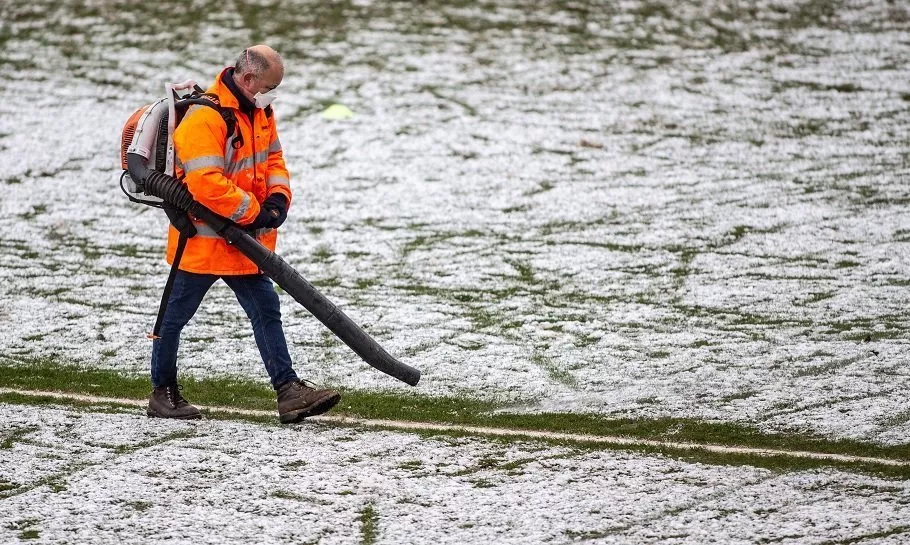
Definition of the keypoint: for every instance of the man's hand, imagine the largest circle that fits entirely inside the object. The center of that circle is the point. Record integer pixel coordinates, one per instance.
(277, 205)
(272, 213)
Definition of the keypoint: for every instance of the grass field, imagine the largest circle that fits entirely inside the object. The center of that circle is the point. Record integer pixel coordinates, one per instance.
(671, 221)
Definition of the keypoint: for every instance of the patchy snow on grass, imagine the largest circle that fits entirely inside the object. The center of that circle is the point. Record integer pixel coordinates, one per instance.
(71, 476)
(639, 210)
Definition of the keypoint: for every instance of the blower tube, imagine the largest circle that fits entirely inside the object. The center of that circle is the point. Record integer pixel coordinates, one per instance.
(175, 193)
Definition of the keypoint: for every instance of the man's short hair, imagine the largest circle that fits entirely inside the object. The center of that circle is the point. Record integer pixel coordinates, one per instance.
(251, 62)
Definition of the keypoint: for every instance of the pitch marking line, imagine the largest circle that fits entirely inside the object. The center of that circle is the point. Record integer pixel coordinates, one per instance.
(499, 432)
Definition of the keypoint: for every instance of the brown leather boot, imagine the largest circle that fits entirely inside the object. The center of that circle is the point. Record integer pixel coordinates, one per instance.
(297, 400)
(166, 402)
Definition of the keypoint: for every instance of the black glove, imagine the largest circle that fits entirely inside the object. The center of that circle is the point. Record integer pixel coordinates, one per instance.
(262, 221)
(277, 204)
(272, 213)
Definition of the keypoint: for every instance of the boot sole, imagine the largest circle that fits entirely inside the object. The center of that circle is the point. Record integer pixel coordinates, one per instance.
(152, 414)
(318, 407)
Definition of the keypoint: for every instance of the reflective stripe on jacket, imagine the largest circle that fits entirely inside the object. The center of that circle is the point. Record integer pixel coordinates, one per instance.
(231, 182)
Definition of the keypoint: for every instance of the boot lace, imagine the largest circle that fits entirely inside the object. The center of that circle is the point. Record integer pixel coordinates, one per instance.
(300, 384)
(174, 397)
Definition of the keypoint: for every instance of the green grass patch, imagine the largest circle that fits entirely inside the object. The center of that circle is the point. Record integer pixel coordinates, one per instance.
(15, 435)
(524, 269)
(846, 264)
(139, 505)
(542, 187)
(322, 253)
(556, 372)
(815, 297)
(285, 495)
(35, 211)
(369, 524)
(896, 530)
(745, 394)
(38, 374)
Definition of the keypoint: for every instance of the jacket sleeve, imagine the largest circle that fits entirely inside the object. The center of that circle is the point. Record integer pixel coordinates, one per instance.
(200, 143)
(278, 178)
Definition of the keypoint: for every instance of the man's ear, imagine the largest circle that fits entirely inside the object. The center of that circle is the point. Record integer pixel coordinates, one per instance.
(248, 81)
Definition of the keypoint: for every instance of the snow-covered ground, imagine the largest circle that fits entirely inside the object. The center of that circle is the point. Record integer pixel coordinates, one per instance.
(640, 209)
(68, 476)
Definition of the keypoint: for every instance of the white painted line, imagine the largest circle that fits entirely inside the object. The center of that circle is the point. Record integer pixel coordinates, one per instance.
(480, 430)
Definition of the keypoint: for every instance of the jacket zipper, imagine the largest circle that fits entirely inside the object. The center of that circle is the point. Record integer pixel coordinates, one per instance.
(253, 140)
(252, 117)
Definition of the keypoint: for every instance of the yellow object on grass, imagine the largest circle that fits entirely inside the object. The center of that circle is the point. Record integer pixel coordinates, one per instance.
(337, 111)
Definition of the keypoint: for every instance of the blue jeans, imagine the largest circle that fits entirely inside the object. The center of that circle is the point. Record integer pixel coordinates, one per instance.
(257, 297)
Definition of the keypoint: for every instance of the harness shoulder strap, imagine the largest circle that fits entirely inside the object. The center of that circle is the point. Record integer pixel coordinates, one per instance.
(169, 286)
(230, 120)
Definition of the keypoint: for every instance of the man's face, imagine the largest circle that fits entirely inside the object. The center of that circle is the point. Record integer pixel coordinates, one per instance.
(263, 83)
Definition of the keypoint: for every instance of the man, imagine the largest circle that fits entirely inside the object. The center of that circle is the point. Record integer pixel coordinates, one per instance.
(241, 176)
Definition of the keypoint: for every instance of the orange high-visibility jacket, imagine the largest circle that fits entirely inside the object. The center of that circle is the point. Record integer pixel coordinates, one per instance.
(230, 182)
